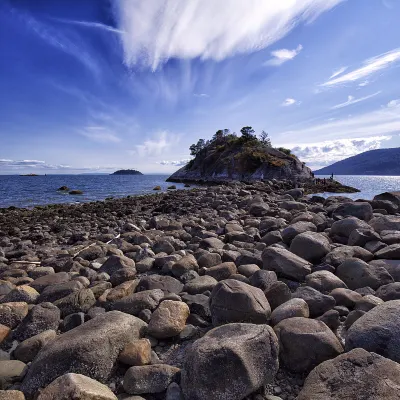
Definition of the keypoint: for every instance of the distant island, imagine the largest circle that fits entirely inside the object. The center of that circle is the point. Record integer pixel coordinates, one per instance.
(29, 175)
(383, 162)
(127, 172)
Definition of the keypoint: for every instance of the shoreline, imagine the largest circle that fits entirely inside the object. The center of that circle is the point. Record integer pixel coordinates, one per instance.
(153, 263)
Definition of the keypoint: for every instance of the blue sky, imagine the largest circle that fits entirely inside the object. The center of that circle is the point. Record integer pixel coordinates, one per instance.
(108, 84)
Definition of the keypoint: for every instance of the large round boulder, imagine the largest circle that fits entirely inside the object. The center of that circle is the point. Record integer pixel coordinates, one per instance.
(235, 301)
(285, 263)
(378, 330)
(230, 362)
(304, 343)
(311, 246)
(357, 374)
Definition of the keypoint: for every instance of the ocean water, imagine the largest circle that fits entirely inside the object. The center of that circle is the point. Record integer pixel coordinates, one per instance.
(29, 191)
(369, 186)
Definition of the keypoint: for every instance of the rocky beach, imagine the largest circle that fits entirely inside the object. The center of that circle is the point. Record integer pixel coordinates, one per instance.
(237, 291)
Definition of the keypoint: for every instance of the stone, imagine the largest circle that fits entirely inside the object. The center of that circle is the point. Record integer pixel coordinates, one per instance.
(360, 237)
(76, 302)
(331, 318)
(340, 254)
(290, 309)
(391, 252)
(318, 303)
(115, 263)
(304, 343)
(235, 301)
(185, 264)
(248, 354)
(136, 302)
(200, 285)
(27, 350)
(285, 263)
(11, 395)
(353, 317)
(90, 349)
(209, 260)
(149, 378)
(277, 294)
(11, 314)
(389, 292)
(48, 280)
(167, 284)
(76, 386)
(4, 332)
(291, 231)
(137, 352)
(385, 223)
(344, 227)
(378, 331)
(11, 371)
(345, 297)
(357, 374)
(222, 271)
(356, 273)
(169, 319)
(58, 291)
(198, 304)
(361, 210)
(248, 269)
(310, 246)
(23, 293)
(263, 279)
(324, 281)
(368, 302)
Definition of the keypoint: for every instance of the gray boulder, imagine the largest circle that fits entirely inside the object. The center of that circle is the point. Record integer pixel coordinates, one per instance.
(291, 231)
(292, 308)
(357, 374)
(378, 331)
(304, 343)
(285, 263)
(385, 223)
(235, 301)
(324, 281)
(230, 362)
(318, 303)
(311, 246)
(361, 210)
(90, 349)
(356, 273)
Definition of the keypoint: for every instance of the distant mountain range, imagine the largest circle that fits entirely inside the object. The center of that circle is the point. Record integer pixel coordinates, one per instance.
(373, 162)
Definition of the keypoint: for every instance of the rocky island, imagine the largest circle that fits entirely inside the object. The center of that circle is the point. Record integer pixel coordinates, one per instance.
(127, 172)
(228, 157)
(236, 291)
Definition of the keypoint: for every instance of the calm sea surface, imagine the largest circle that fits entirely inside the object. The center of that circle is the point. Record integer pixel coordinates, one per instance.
(27, 191)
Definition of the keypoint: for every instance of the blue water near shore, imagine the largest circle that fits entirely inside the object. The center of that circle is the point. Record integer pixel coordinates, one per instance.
(29, 191)
(369, 186)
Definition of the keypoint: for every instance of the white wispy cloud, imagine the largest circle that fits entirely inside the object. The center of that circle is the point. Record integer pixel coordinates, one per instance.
(156, 146)
(179, 163)
(100, 134)
(156, 31)
(90, 24)
(281, 56)
(369, 67)
(320, 154)
(338, 72)
(382, 121)
(352, 100)
(289, 102)
(53, 37)
(201, 95)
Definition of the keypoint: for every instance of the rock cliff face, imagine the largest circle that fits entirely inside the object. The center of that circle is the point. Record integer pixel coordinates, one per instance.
(236, 161)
